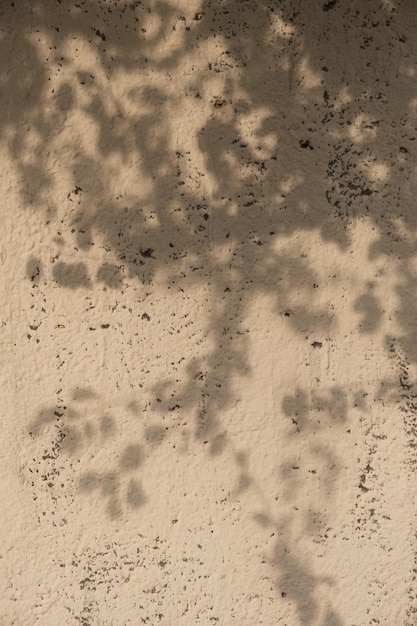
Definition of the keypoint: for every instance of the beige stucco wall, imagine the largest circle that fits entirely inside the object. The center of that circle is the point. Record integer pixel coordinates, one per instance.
(209, 333)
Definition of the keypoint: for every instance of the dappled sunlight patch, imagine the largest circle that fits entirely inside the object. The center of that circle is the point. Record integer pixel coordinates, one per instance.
(221, 256)
(281, 28)
(250, 126)
(290, 183)
(154, 27)
(364, 129)
(412, 106)
(409, 71)
(389, 5)
(377, 172)
(308, 77)
(343, 98)
(407, 235)
(83, 141)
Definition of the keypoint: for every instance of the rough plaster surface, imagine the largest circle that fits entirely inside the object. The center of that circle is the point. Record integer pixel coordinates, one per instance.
(209, 333)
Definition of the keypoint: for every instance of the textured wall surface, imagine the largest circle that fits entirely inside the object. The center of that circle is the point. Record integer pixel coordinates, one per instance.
(208, 313)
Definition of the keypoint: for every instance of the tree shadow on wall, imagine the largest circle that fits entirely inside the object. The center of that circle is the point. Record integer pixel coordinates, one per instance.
(188, 149)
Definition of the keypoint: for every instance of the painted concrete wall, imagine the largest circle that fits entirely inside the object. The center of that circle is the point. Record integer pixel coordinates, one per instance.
(209, 338)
